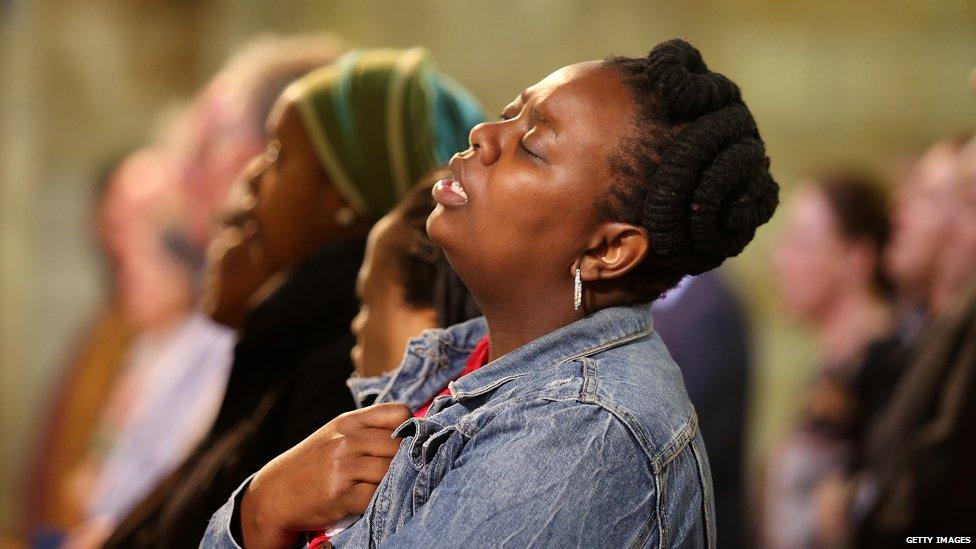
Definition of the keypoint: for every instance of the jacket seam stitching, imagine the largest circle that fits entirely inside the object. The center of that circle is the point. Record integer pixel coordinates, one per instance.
(704, 510)
(680, 441)
(606, 345)
(662, 534)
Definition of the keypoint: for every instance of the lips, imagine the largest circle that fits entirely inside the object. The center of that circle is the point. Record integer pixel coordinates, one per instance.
(449, 193)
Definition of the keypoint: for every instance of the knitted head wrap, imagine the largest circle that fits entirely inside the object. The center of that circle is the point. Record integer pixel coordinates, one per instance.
(380, 119)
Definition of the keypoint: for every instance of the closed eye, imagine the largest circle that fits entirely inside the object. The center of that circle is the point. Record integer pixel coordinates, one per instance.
(504, 118)
(527, 151)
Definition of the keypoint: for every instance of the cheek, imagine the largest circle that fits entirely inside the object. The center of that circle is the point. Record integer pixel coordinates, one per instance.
(968, 235)
(532, 222)
(284, 212)
(363, 350)
(804, 277)
(962, 243)
(375, 340)
(927, 222)
(241, 275)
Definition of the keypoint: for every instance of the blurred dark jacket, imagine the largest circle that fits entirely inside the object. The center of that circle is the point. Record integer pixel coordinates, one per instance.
(704, 327)
(453, 301)
(919, 478)
(288, 379)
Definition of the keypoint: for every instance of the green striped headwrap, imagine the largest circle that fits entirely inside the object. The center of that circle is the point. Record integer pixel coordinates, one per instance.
(380, 119)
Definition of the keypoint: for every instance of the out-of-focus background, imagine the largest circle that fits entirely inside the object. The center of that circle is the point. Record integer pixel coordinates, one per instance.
(830, 82)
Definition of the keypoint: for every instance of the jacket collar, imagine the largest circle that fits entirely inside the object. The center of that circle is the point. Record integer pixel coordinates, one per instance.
(438, 356)
(599, 331)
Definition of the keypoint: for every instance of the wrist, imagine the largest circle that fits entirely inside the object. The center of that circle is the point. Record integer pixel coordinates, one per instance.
(259, 527)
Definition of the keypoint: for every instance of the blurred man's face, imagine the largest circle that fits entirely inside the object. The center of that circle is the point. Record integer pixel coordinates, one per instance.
(957, 262)
(220, 143)
(153, 285)
(920, 223)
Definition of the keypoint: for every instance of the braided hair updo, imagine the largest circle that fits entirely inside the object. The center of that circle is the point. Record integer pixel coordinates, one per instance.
(695, 173)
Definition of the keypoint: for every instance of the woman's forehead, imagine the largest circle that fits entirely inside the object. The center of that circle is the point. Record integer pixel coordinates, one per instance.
(588, 95)
(568, 74)
(284, 106)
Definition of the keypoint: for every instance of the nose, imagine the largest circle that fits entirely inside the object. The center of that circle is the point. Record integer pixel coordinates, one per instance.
(253, 172)
(356, 326)
(485, 142)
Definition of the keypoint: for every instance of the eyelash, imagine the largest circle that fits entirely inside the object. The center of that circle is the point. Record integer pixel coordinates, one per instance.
(522, 146)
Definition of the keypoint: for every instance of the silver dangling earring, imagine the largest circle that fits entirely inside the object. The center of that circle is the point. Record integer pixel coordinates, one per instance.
(345, 217)
(577, 291)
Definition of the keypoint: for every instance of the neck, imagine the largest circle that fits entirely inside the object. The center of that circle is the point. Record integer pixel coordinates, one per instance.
(851, 323)
(514, 323)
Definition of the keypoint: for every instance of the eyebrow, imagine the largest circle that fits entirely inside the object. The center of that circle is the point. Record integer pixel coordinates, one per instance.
(537, 116)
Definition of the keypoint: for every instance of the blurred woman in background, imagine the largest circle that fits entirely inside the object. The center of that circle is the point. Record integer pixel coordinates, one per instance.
(345, 143)
(829, 275)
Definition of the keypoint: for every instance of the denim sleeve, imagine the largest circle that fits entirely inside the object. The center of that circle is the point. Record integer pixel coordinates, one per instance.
(218, 534)
(555, 474)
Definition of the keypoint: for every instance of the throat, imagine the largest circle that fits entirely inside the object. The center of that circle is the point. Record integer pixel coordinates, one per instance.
(508, 332)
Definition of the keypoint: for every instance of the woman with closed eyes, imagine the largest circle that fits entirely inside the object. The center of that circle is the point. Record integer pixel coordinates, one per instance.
(558, 419)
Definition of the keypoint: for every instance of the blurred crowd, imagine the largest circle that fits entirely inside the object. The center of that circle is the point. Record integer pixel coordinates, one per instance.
(244, 293)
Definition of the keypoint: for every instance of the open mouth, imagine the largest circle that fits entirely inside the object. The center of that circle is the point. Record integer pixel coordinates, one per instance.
(449, 193)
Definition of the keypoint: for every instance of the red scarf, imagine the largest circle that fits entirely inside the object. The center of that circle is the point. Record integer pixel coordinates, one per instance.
(477, 359)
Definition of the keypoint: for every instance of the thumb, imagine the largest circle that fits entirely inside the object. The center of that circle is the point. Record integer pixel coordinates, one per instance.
(388, 415)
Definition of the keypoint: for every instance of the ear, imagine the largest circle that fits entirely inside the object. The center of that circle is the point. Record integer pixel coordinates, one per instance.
(615, 250)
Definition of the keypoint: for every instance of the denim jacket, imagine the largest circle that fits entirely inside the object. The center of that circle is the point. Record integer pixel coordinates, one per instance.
(584, 437)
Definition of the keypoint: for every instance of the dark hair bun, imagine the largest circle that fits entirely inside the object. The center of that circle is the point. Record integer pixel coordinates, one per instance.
(683, 83)
(712, 188)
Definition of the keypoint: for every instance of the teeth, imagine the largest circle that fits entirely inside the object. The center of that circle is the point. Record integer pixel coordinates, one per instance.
(456, 187)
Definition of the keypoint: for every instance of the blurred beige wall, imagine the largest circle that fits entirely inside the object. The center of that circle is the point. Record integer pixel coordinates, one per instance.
(829, 81)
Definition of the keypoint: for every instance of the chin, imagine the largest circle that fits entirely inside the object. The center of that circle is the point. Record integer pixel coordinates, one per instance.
(356, 357)
(440, 228)
(218, 312)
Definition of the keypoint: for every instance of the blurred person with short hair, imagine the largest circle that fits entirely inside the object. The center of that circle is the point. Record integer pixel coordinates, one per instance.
(399, 284)
(957, 261)
(919, 223)
(918, 474)
(153, 286)
(163, 401)
(829, 274)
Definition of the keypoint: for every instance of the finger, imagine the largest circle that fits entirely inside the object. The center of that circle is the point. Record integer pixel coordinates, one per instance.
(388, 415)
(356, 499)
(374, 441)
(367, 469)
